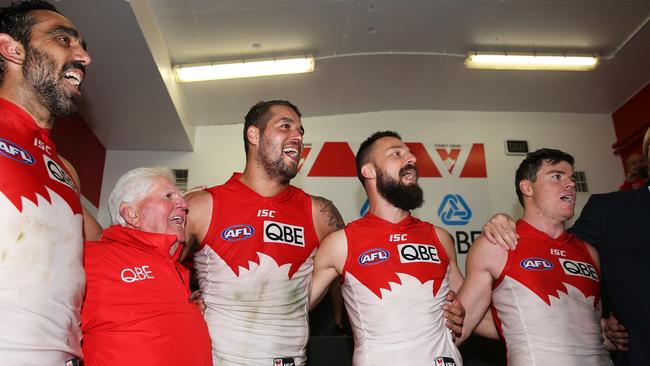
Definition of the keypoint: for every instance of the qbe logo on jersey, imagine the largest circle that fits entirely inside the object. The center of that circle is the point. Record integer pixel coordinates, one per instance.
(580, 269)
(57, 173)
(412, 253)
(444, 361)
(277, 232)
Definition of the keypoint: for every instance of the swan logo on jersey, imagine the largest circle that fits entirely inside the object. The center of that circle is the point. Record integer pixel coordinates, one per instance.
(58, 174)
(412, 253)
(373, 256)
(444, 361)
(237, 232)
(581, 269)
(536, 264)
(14, 152)
(277, 232)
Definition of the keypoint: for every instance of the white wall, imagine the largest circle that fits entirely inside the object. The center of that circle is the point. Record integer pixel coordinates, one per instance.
(219, 149)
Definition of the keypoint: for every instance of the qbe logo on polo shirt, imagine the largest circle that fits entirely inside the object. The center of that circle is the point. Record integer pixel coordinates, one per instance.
(411, 253)
(277, 232)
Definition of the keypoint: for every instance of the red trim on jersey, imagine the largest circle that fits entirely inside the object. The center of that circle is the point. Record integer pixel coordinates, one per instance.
(291, 205)
(372, 232)
(537, 245)
(24, 179)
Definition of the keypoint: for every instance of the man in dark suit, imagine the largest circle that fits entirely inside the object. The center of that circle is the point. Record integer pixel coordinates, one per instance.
(617, 224)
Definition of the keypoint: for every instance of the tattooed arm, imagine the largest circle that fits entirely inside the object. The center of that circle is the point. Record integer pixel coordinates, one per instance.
(332, 251)
(327, 218)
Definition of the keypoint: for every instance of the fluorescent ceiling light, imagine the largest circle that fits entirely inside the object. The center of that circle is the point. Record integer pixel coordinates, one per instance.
(244, 68)
(521, 61)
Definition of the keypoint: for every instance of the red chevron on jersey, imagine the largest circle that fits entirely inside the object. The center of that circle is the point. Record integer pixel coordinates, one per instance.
(546, 302)
(395, 280)
(30, 163)
(545, 265)
(245, 224)
(378, 251)
(41, 246)
(254, 269)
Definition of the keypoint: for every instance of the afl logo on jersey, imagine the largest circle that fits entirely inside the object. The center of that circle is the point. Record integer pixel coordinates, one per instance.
(536, 264)
(373, 256)
(14, 152)
(237, 232)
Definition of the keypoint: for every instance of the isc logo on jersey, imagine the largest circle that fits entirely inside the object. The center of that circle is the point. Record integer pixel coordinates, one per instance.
(277, 232)
(237, 232)
(373, 256)
(580, 269)
(536, 264)
(444, 361)
(14, 152)
(412, 253)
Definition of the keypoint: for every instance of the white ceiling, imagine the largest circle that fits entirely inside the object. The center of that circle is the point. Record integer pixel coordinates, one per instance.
(132, 103)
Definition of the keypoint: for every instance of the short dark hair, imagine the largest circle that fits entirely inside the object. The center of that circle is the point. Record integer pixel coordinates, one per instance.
(16, 21)
(533, 162)
(363, 154)
(260, 114)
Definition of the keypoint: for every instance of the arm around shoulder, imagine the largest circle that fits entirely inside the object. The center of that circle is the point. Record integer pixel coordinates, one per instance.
(328, 264)
(455, 276)
(91, 229)
(199, 215)
(484, 264)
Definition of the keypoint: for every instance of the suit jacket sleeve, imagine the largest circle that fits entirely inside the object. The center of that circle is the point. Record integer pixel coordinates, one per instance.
(590, 226)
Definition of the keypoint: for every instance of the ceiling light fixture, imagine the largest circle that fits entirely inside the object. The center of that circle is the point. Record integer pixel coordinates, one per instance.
(244, 68)
(530, 61)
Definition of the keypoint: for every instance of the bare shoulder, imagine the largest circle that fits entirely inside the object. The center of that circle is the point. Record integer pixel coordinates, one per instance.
(482, 246)
(199, 213)
(336, 238)
(199, 199)
(485, 255)
(333, 250)
(326, 216)
(446, 241)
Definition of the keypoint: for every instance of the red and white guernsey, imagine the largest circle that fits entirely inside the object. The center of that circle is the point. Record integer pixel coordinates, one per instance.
(254, 268)
(546, 302)
(395, 280)
(41, 272)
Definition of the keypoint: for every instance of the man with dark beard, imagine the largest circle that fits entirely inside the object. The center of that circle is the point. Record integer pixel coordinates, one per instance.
(396, 270)
(257, 236)
(42, 63)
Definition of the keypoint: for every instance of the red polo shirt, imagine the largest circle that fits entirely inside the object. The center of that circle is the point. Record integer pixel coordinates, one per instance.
(137, 309)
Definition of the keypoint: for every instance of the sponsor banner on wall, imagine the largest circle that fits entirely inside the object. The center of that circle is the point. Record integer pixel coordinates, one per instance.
(453, 177)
